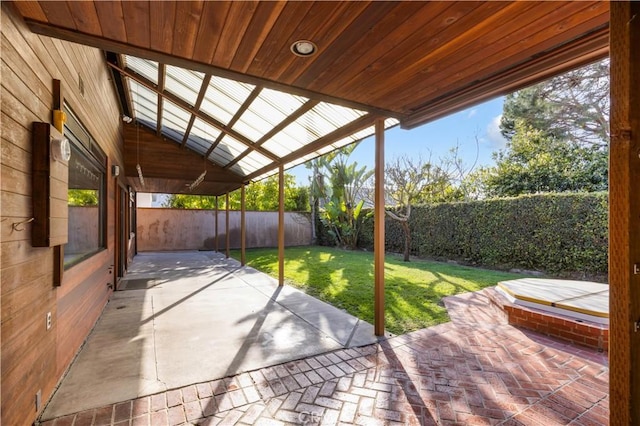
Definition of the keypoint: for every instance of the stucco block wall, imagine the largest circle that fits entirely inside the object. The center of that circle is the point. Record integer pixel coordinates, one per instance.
(179, 229)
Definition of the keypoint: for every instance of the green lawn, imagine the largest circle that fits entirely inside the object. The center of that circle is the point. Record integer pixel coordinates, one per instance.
(413, 291)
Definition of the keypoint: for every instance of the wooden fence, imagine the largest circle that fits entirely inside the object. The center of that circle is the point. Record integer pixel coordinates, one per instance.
(163, 229)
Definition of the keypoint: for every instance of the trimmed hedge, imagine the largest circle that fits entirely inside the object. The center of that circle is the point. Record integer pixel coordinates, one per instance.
(563, 234)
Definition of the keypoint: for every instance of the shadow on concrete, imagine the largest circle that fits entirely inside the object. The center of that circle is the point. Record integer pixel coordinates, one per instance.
(205, 318)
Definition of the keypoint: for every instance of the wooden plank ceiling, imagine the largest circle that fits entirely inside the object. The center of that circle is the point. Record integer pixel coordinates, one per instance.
(414, 61)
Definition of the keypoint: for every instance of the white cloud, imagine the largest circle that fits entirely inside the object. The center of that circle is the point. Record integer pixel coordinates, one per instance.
(473, 112)
(494, 136)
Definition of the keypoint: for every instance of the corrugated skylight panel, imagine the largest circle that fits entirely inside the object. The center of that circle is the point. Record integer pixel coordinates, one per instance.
(174, 119)
(268, 110)
(250, 163)
(337, 115)
(172, 133)
(273, 106)
(144, 67)
(224, 97)
(294, 136)
(283, 102)
(183, 83)
(281, 146)
(202, 136)
(227, 150)
(144, 102)
(252, 125)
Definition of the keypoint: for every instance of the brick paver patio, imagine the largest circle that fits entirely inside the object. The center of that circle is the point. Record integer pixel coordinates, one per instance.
(475, 370)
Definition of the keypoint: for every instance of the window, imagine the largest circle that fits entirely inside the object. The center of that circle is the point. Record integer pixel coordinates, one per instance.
(87, 194)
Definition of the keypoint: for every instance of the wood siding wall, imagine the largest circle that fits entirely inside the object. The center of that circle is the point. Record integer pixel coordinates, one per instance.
(178, 229)
(34, 358)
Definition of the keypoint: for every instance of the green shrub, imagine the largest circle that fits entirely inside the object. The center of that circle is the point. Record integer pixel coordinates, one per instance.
(561, 234)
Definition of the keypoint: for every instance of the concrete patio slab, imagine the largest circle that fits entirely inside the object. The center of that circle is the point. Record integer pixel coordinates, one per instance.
(203, 318)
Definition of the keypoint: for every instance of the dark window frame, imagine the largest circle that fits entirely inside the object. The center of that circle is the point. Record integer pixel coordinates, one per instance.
(82, 143)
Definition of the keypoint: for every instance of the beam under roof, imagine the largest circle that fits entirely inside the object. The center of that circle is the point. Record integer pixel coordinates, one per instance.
(126, 49)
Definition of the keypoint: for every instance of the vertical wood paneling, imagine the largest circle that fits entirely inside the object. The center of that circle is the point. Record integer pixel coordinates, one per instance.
(163, 16)
(624, 209)
(235, 26)
(212, 22)
(136, 20)
(85, 16)
(34, 358)
(280, 22)
(111, 19)
(186, 27)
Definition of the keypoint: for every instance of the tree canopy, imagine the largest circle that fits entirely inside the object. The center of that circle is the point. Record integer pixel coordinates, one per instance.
(536, 162)
(557, 133)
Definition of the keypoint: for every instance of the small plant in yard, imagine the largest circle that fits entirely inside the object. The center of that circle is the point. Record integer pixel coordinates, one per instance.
(413, 291)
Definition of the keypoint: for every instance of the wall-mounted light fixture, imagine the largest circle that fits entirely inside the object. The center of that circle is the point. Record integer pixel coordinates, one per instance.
(115, 170)
(60, 149)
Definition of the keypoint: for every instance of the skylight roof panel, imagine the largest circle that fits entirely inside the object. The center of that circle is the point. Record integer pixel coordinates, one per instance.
(244, 168)
(221, 158)
(172, 133)
(281, 149)
(257, 158)
(252, 126)
(144, 101)
(183, 83)
(175, 114)
(224, 97)
(283, 102)
(273, 107)
(203, 133)
(337, 115)
(250, 163)
(295, 134)
(144, 67)
(201, 146)
(235, 90)
(174, 120)
(227, 150)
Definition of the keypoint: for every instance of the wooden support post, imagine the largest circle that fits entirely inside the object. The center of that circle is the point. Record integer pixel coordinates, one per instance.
(215, 239)
(378, 238)
(624, 215)
(242, 226)
(281, 226)
(228, 234)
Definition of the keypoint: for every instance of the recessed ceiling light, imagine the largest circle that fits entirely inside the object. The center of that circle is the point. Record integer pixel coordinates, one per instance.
(304, 48)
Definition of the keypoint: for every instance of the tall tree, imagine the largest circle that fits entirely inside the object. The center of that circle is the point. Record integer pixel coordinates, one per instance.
(534, 161)
(409, 181)
(558, 133)
(572, 106)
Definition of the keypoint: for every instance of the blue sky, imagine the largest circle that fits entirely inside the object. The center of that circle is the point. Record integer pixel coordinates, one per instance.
(439, 137)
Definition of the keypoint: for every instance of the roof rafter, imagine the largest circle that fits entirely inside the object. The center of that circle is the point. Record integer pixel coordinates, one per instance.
(127, 49)
(355, 126)
(185, 105)
(307, 106)
(247, 102)
(201, 93)
(161, 74)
